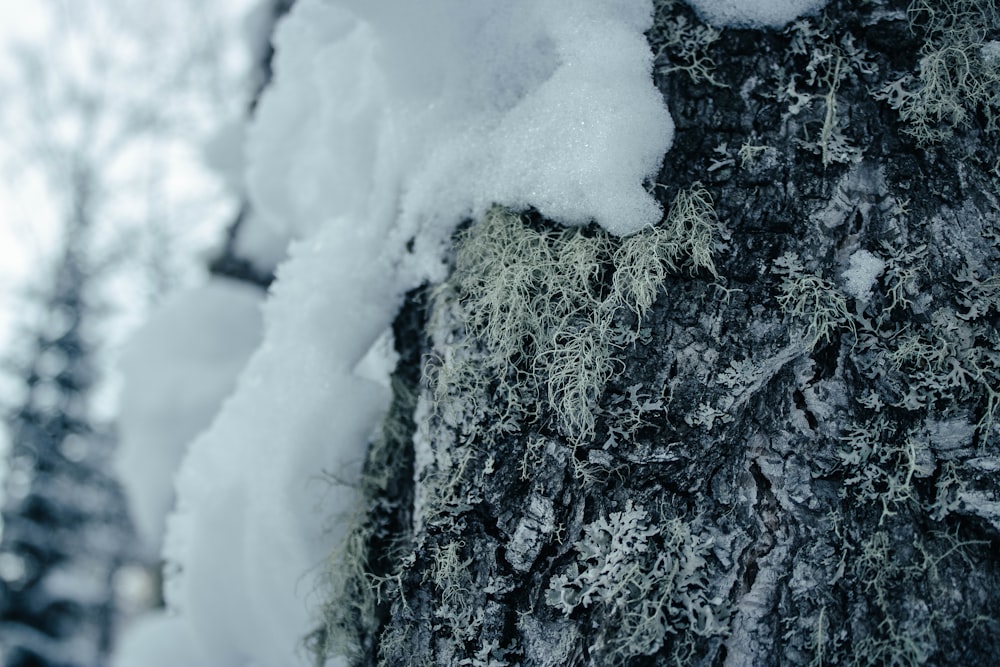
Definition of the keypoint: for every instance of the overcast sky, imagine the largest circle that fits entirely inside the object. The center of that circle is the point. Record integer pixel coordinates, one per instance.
(21, 244)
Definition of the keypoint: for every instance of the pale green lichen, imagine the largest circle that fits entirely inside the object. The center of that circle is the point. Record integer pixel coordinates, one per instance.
(749, 153)
(537, 300)
(956, 79)
(831, 62)
(357, 579)
(881, 467)
(644, 581)
(682, 45)
(812, 299)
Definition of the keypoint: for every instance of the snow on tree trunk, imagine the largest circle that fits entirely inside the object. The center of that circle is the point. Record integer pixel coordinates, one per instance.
(763, 432)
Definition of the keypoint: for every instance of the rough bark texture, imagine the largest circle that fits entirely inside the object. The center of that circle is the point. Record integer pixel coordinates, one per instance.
(787, 465)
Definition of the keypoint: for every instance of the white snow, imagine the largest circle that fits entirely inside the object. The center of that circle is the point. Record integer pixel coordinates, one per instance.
(754, 13)
(161, 640)
(261, 244)
(864, 270)
(387, 121)
(991, 52)
(177, 370)
(380, 361)
(445, 107)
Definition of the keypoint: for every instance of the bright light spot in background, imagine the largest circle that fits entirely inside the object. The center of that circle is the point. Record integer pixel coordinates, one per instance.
(136, 588)
(12, 568)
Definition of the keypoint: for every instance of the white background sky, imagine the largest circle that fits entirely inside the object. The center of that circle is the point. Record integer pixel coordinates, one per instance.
(194, 204)
(21, 244)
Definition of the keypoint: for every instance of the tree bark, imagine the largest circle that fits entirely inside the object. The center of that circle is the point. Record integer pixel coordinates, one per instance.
(793, 456)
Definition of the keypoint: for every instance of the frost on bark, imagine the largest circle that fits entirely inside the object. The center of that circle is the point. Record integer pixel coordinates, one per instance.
(785, 451)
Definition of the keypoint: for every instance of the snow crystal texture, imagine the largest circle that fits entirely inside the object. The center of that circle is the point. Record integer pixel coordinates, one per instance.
(754, 13)
(445, 107)
(864, 270)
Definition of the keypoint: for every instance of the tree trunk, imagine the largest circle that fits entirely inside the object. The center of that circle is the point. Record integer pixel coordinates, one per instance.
(790, 456)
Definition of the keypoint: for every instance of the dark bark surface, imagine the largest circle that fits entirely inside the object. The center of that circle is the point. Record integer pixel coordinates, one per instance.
(793, 456)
